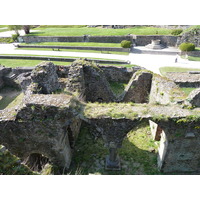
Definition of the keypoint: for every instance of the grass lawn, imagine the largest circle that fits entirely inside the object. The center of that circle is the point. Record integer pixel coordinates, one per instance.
(3, 30)
(26, 63)
(140, 30)
(164, 70)
(192, 58)
(187, 90)
(30, 63)
(82, 44)
(117, 88)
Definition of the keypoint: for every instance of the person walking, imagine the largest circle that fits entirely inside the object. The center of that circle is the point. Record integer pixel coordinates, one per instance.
(176, 59)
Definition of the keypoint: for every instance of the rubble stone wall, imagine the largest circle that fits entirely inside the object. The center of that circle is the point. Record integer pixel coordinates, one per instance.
(164, 91)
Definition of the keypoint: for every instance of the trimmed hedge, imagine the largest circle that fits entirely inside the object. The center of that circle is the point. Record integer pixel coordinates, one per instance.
(187, 47)
(176, 31)
(125, 44)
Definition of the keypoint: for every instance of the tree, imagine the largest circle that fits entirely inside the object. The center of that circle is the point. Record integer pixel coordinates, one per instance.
(27, 28)
(15, 28)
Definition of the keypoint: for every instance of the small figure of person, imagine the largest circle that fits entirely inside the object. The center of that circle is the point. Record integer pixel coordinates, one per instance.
(176, 59)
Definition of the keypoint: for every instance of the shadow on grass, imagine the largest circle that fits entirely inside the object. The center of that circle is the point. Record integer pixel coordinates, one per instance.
(137, 155)
(37, 33)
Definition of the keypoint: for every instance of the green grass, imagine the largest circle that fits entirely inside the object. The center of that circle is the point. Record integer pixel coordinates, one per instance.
(192, 58)
(99, 31)
(31, 63)
(191, 28)
(164, 70)
(187, 90)
(137, 155)
(26, 63)
(3, 30)
(117, 88)
(83, 44)
(10, 165)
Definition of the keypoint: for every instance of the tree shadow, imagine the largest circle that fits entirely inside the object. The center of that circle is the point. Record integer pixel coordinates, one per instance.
(36, 33)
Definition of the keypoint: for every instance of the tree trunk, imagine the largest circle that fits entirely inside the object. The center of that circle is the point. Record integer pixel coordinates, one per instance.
(26, 29)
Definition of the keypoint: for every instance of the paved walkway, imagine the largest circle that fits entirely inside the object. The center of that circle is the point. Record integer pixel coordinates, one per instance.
(149, 61)
(9, 33)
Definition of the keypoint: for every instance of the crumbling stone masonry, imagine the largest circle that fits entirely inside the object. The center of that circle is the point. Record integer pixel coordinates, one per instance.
(48, 120)
(185, 79)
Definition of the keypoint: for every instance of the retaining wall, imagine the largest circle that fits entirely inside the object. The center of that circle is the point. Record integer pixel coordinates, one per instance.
(193, 53)
(140, 40)
(100, 39)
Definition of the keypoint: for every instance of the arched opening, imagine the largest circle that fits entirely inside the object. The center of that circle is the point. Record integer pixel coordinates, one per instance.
(36, 161)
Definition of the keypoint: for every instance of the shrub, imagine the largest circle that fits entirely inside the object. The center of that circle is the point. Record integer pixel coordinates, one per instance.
(15, 36)
(176, 31)
(187, 47)
(125, 44)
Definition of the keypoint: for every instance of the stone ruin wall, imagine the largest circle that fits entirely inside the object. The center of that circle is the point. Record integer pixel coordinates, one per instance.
(192, 36)
(164, 91)
(185, 79)
(179, 150)
(55, 128)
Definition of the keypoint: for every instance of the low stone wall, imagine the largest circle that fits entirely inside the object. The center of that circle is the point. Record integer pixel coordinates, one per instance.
(140, 40)
(32, 39)
(78, 47)
(193, 53)
(101, 39)
(185, 79)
